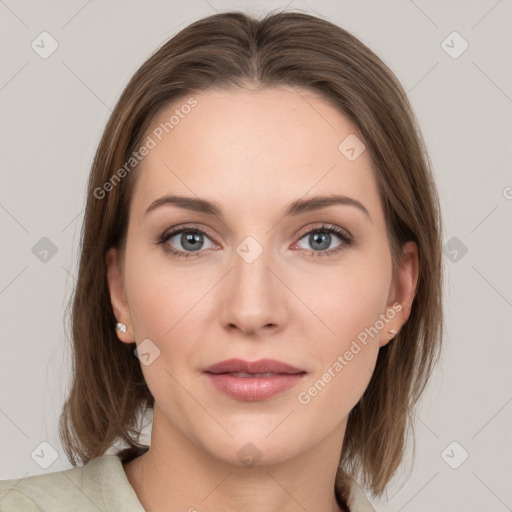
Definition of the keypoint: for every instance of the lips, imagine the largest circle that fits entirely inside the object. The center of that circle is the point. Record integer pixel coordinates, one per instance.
(253, 381)
(253, 368)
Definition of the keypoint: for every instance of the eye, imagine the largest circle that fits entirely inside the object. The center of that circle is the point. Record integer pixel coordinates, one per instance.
(321, 238)
(187, 240)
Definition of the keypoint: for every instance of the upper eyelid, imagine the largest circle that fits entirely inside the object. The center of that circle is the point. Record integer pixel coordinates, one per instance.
(179, 229)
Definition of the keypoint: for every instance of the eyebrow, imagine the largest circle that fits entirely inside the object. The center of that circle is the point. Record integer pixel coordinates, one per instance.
(297, 207)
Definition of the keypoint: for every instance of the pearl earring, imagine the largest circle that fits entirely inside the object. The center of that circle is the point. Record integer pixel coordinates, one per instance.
(392, 333)
(120, 327)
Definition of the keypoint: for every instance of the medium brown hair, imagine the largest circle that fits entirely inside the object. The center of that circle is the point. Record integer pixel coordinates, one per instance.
(232, 50)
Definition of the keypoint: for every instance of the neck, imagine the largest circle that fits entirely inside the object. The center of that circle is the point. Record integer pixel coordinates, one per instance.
(176, 474)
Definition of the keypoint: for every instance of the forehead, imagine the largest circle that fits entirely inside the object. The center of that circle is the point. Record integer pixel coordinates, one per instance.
(252, 147)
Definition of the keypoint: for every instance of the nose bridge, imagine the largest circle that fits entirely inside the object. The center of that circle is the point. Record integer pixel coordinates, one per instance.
(254, 298)
(251, 275)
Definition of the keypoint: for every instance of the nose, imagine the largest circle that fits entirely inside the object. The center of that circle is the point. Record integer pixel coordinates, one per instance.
(254, 299)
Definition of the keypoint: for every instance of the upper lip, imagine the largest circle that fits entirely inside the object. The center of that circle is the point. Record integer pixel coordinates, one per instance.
(259, 366)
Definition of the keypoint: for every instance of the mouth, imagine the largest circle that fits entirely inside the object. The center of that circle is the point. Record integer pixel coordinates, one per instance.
(253, 381)
(243, 374)
(259, 367)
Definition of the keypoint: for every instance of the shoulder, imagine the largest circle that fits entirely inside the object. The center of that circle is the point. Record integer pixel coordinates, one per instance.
(99, 485)
(358, 501)
(41, 492)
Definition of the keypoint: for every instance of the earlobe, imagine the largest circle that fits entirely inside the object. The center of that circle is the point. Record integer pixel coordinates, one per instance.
(118, 297)
(388, 333)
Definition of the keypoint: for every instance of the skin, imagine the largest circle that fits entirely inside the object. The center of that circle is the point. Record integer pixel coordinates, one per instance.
(253, 152)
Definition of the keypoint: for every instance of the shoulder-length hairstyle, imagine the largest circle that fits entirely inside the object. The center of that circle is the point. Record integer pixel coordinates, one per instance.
(230, 51)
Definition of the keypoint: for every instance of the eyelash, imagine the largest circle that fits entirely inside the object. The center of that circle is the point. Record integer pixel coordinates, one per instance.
(346, 239)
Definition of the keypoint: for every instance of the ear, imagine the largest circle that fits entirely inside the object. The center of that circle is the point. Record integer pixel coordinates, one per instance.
(117, 295)
(402, 292)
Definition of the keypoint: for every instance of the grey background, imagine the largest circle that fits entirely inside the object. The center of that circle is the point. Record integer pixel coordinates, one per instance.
(53, 112)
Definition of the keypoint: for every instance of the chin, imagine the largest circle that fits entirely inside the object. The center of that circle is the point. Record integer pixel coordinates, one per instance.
(255, 446)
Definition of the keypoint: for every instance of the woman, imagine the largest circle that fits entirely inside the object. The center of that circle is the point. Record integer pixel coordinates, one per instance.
(263, 226)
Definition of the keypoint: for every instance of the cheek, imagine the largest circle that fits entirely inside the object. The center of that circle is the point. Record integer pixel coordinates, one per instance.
(347, 299)
(163, 305)
(167, 306)
(350, 306)
(161, 296)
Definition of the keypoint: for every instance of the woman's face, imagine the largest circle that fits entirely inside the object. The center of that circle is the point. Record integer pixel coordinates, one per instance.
(263, 277)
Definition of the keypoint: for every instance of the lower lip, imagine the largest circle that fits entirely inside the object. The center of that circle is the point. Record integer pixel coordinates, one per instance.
(254, 388)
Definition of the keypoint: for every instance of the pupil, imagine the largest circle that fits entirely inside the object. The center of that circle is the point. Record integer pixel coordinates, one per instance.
(191, 238)
(323, 237)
